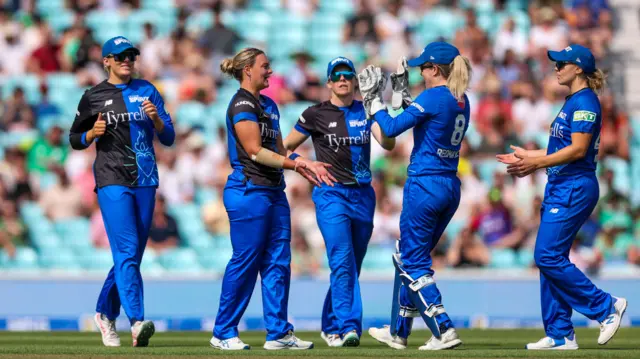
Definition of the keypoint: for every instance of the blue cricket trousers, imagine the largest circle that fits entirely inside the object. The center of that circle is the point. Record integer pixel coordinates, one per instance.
(345, 218)
(568, 203)
(127, 214)
(428, 205)
(261, 239)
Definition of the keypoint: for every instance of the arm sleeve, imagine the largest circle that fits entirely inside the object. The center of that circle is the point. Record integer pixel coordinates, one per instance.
(420, 110)
(243, 110)
(306, 122)
(85, 118)
(585, 118)
(168, 134)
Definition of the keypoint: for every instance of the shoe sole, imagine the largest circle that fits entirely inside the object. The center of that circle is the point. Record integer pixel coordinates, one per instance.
(390, 344)
(351, 342)
(97, 322)
(554, 348)
(451, 345)
(221, 348)
(288, 348)
(624, 309)
(146, 331)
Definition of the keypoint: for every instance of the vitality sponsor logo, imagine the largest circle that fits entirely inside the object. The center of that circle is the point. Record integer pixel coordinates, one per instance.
(120, 40)
(357, 123)
(138, 98)
(335, 142)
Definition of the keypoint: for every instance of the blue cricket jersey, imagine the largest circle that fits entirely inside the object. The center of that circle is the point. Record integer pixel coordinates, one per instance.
(342, 138)
(125, 154)
(439, 124)
(580, 113)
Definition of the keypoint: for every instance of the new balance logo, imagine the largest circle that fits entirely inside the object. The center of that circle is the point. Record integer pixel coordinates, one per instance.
(431, 58)
(610, 319)
(333, 124)
(554, 210)
(578, 60)
(108, 102)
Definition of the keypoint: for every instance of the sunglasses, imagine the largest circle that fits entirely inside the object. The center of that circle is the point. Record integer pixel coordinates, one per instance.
(426, 66)
(561, 64)
(123, 56)
(348, 75)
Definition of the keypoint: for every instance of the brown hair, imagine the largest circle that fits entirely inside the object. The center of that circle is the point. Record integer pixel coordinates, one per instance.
(458, 75)
(234, 66)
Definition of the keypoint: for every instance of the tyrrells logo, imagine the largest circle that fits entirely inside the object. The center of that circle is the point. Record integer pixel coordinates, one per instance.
(335, 142)
(137, 98)
(114, 118)
(240, 103)
(556, 130)
(267, 132)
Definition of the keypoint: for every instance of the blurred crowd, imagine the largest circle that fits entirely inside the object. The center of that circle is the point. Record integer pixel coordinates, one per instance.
(514, 97)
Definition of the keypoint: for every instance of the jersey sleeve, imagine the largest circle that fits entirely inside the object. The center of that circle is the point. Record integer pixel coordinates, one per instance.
(168, 134)
(306, 122)
(85, 118)
(243, 110)
(421, 109)
(585, 117)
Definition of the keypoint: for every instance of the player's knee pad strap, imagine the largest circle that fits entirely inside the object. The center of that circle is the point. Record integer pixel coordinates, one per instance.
(409, 312)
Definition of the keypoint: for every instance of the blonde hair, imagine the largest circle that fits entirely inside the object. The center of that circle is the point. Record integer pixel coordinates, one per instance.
(234, 66)
(596, 81)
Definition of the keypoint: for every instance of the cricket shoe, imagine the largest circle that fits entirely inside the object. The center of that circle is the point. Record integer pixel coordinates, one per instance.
(611, 324)
(107, 328)
(546, 343)
(351, 339)
(332, 340)
(448, 340)
(229, 344)
(141, 331)
(383, 335)
(289, 341)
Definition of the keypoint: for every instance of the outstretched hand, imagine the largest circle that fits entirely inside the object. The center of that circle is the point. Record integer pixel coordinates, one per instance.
(513, 157)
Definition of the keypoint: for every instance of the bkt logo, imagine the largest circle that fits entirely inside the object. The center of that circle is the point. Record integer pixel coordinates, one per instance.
(138, 98)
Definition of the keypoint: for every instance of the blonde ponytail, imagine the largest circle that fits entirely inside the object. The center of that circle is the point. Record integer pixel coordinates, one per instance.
(234, 66)
(459, 76)
(596, 81)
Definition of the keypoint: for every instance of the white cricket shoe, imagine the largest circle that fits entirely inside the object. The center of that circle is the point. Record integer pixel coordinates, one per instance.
(141, 331)
(332, 340)
(229, 344)
(610, 325)
(107, 328)
(351, 339)
(448, 340)
(547, 343)
(289, 341)
(383, 335)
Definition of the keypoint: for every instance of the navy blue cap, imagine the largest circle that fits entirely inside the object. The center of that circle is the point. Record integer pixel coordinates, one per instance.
(441, 53)
(116, 45)
(575, 54)
(337, 62)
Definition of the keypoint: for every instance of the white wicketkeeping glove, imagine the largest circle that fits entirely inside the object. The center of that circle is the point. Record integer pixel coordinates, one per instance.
(372, 82)
(400, 85)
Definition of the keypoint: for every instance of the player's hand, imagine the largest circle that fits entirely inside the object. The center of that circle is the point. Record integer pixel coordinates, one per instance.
(523, 167)
(400, 85)
(301, 168)
(319, 169)
(99, 127)
(150, 109)
(513, 157)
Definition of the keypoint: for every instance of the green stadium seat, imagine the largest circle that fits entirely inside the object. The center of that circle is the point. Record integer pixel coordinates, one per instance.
(25, 259)
(524, 257)
(378, 259)
(183, 260)
(29, 83)
(332, 8)
(199, 22)
(74, 233)
(215, 260)
(59, 19)
(47, 7)
(205, 195)
(59, 258)
(49, 241)
(502, 258)
(96, 260)
(191, 114)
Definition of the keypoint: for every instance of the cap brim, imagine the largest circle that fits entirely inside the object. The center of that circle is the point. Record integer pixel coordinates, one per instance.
(333, 67)
(558, 56)
(126, 49)
(416, 62)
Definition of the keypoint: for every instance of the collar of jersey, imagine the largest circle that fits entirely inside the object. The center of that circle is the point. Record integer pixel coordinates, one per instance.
(260, 100)
(575, 93)
(120, 86)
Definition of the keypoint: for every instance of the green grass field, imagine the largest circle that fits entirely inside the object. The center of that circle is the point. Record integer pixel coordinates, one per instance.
(477, 344)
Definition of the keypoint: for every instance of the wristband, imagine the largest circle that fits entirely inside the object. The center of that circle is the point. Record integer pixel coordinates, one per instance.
(293, 156)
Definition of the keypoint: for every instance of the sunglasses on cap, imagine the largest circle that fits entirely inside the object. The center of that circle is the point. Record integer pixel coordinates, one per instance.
(561, 64)
(348, 75)
(123, 56)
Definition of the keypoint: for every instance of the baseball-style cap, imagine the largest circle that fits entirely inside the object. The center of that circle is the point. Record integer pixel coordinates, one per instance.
(117, 45)
(339, 61)
(575, 54)
(439, 52)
